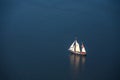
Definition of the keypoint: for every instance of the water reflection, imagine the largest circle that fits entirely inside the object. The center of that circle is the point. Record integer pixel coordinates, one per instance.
(77, 64)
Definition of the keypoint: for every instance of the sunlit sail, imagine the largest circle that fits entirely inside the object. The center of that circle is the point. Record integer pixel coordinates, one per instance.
(83, 52)
(75, 48)
(72, 47)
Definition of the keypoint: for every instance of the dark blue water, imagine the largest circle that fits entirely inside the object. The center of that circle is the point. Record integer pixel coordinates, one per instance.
(35, 36)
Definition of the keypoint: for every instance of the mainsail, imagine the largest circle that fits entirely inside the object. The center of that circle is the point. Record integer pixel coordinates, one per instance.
(75, 47)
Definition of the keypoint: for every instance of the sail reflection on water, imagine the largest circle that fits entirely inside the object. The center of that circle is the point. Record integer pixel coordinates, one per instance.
(77, 64)
(83, 59)
(74, 61)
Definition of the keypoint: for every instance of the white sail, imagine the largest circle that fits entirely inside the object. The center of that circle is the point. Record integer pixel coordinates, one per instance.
(72, 46)
(77, 48)
(83, 48)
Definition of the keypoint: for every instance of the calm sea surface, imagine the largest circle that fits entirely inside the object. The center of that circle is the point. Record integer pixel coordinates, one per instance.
(35, 36)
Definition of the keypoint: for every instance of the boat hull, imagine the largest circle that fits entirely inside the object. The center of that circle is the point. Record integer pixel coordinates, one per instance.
(83, 53)
(74, 52)
(78, 53)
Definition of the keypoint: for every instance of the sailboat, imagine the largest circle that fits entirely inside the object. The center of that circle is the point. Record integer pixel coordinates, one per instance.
(75, 48)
